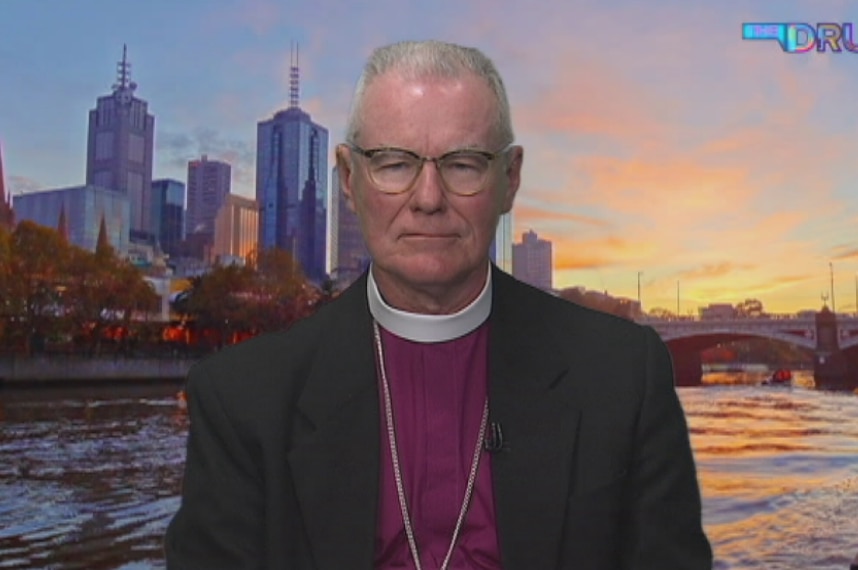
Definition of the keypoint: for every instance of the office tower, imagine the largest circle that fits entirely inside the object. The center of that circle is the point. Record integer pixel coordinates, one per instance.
(83, 208)
(501, 249)
(236, 229)
(531, 261)
(120, 146)
(7, 215)
(291, 184)
(349, 256)
(209, 184)
(168, 213)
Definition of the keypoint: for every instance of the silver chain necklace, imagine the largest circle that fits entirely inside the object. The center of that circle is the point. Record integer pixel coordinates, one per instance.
(397, 475)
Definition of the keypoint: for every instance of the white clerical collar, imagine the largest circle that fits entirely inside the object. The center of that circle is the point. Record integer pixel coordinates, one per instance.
(430, 328)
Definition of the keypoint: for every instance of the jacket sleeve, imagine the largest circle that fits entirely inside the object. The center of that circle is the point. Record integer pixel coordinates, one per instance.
(666, 526)
(219, 523)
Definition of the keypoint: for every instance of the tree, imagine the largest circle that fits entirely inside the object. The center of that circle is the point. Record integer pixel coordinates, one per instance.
(599, 301)
(104, 290)
(279, 293)
(37, 264)
(750, 308)
(661, 313)
(5, 281)
(217, 300)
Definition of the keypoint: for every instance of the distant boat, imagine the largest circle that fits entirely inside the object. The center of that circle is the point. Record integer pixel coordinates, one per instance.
(780, 377)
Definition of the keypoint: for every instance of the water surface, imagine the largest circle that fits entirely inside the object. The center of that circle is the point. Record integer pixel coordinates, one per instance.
(89, 477)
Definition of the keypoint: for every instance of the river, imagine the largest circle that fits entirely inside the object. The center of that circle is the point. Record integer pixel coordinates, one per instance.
(89, 477)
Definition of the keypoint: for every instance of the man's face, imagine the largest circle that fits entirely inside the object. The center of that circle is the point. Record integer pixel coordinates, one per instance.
(428, 238)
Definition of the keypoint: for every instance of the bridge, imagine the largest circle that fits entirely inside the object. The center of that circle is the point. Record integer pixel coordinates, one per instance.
(832, 338)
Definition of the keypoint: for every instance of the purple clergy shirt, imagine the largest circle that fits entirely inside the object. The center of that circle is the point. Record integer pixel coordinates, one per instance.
(438, 391)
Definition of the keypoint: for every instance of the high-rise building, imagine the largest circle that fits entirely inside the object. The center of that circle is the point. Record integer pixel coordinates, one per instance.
(501, 249)
(531, 261)
(292, 183)
(79, 211)
(168, 213)
(236, 229)
(349, 256)
(120, 147)
(209, 183)
(7, 215)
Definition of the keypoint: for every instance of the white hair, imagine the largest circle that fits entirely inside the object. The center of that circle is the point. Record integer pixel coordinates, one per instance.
(419, 59)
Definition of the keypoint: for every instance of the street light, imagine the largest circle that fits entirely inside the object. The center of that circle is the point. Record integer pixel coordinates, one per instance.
(677, 298)
(639, 288)
(831, 272)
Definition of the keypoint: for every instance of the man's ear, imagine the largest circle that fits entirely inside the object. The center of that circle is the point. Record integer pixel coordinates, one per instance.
(345, 172)
(512, 174)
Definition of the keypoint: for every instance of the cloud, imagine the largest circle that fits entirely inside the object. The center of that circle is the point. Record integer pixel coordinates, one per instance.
(846, 254)
(709, 271)
(599, 252)
(177, 148)
(260, 17)
(538, 211)
(759, 289)
(22, 185)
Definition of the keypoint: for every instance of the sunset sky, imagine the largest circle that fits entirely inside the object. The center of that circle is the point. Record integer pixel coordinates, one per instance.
(656, 140)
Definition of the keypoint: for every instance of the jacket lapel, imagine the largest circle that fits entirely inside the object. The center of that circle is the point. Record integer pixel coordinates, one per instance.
(532, 397)
(335, 443)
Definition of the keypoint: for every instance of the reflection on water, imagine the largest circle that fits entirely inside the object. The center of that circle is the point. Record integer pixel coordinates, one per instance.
(90, 477)
(779, 472)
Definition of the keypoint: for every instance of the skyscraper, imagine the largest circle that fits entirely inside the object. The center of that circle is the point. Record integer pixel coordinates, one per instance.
(531, 261)
(291, 184)
(236, 229)
(120, 147)
(168, 213)
(209, 183)
(349, 256)
(7, 215)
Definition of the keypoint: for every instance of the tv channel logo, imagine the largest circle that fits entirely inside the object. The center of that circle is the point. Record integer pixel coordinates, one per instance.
(799, 37)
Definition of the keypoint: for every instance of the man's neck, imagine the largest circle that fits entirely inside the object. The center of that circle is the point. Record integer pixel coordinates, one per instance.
(429, 299)
(430, 327)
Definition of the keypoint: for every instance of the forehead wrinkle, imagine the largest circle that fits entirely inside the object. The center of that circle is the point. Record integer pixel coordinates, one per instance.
(384, 112)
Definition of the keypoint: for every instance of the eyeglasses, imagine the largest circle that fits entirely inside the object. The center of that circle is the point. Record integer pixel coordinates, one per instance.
(394, 170)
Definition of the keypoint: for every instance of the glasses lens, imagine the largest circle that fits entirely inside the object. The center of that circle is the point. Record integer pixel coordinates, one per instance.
(465, 172)
(392, 170)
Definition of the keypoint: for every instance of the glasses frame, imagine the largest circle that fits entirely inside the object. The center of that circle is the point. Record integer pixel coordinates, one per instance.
(488, 155)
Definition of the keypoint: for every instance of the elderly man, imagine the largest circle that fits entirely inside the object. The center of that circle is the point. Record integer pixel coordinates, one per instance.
(438, 414)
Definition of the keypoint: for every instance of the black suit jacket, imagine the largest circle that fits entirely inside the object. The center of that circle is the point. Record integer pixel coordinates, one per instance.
(283, 448)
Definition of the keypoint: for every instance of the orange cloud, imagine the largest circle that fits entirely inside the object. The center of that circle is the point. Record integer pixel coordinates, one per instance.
(543, 212)
(709, 271)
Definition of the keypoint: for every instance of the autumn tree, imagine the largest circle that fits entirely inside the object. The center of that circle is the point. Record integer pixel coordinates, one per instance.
(217, 300)
(5, 281)
(280, 293)
(37, 266)
(750, 308)
(104, 289)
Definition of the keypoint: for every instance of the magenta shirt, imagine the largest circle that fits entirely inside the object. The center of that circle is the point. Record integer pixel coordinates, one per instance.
(438, 391)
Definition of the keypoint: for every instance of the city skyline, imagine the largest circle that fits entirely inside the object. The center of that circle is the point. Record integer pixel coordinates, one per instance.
(678, 152)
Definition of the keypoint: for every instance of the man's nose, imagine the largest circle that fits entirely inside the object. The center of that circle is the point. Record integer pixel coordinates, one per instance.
(428, 193)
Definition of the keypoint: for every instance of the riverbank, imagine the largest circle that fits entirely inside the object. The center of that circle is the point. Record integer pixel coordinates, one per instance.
(18, 370)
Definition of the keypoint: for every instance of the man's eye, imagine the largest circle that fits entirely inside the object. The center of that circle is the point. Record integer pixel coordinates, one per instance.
(392, 162)
(393, 165)
(464, 164)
